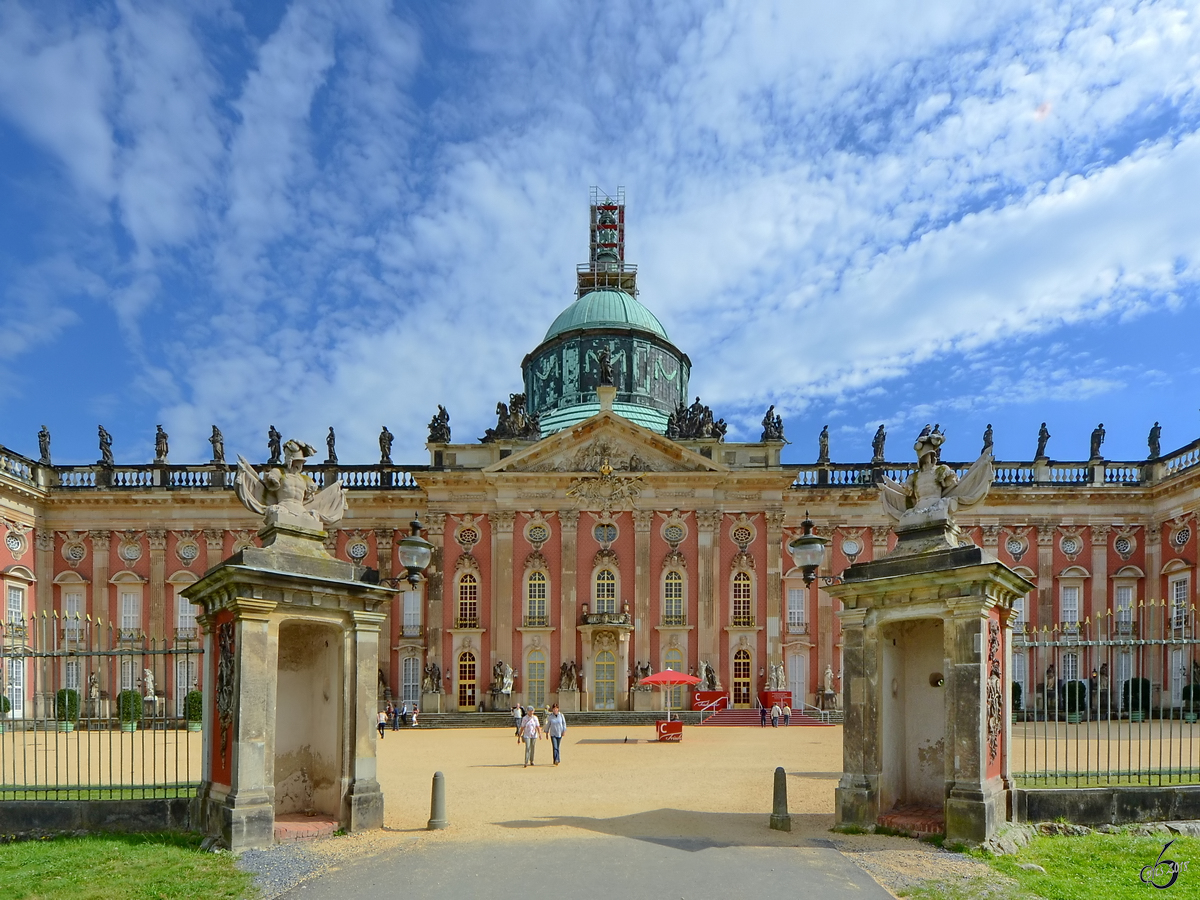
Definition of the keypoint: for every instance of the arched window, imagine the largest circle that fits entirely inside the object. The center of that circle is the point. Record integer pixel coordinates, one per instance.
(743, 592)
(535, 599)
(673, 661)
(673, 598)
(468, 601)
(535, 678)
(605, 598)
(466, 680)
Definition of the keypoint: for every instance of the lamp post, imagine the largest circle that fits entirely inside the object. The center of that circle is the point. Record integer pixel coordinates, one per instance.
(808, 550)
(415, 552)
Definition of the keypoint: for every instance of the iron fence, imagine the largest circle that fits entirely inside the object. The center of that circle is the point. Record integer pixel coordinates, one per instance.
(1111, 702)
(95, 711)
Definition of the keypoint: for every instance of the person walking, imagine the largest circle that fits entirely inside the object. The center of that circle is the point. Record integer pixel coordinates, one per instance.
(776, 712)
(556, 727)
(531, 730)
(382, 723)
(787, 715)
(762, 716)
(390, 715)
(517, 714)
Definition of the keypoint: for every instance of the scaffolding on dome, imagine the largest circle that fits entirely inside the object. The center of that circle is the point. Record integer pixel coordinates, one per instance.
(606, 266)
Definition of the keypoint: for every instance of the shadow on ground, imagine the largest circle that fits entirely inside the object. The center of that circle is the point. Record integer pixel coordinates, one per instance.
(689, 830)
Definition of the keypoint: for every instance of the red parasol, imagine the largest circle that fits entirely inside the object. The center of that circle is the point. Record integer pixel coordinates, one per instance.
(669, 678)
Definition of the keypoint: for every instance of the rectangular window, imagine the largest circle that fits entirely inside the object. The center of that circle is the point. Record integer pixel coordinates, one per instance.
(131, 610)
(127, 674)
(412, 613)
(1179, 672)
(71, 675)
(795, 608)
(1124, 672)
(1018, 617)
(1124, 603)
(1070, 605)
(606, 591)
(16, 604)
(410, 679)
(1179, 604)
(187, 678)
(535, 679)
(1020, 675)
(1070, 666)
(14, 686)
(743, 614)
(673, 599)
(535, 599)
(72, 614)
(185, 616)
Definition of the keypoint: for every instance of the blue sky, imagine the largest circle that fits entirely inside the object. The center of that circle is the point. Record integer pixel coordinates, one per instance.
(317, 213)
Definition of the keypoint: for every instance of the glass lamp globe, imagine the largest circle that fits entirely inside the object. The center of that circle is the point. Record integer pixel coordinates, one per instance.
(808, 550)
(415, 552)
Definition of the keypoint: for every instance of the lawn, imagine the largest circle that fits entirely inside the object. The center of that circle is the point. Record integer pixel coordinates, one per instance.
(120, 867)
(1088, 867)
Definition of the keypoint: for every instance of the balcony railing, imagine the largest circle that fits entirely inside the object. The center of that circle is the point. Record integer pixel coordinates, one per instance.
(1069, 629)
(187, 634)
(411, 630)
(130, 635)
(743, 621)
(535, 621)
(607, 618)
(674, 620)
(795, 627)
(466, 621)
(1125, 628)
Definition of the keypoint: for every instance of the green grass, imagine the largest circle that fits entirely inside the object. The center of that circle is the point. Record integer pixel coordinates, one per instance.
(120, 867)
(1088, 867)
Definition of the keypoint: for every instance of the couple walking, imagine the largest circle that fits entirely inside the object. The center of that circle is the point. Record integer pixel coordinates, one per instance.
(530, 730)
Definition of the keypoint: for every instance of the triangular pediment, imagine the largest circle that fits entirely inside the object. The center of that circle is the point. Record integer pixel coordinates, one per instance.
(606, 439)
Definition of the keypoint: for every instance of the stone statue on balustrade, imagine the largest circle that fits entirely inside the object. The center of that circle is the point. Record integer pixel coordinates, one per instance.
(1154, 441)
(218, 444)
(568, 677)
(44, 446)
(695, 422)
(1043, 439)
(772, 426)
(514, 422)
(331, 447)
(877, 444)
(274, 447)
(106, 457)
(923, 506)
(823, 446)
(287, 497)
(439, 427)
(385, 446)
(987, 439)
(161, 447)
(1097, 440)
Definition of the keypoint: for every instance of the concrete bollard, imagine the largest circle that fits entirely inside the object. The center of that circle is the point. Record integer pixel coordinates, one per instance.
(437, 804)
(780, 819)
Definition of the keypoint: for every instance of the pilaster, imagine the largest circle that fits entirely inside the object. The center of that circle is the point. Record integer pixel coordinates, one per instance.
(708, 549)
(435, 527)
(1045, 573)
(569, 610)
(157, 616)
(1099, 599)
(774, 622)
(44, 568)
(642, 519)
(101, 541)
(214, 546)
(502, 587)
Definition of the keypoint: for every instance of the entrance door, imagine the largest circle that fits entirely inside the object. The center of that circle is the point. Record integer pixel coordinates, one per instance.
(798, 680)
(14, 687)
(741, 679)
(605, 682)
(673, 661)
(466, 680)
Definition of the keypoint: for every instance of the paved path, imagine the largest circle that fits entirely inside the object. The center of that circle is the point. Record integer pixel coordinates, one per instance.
(599, 867)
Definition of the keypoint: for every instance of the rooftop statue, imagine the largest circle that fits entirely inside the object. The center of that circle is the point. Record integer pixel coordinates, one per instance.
(439, 427)
(1043, 439)
(287, 496)
(823, 445)
(44, 445)
(218, 445)
(161, 446)
(932, 494)
(1154, 441)
(772, 426)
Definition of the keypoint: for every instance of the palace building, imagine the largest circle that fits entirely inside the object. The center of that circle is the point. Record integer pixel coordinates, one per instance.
(603, 522)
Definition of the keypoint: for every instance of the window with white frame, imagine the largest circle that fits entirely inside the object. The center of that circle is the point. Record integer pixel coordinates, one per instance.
(1020, 675)
(468, 601)
(185, 615)
(1069, 605)
(410, 679)
(743, 592)
(412, 613)
(1124, 671)
(796, 618)
(1018, 616)
(673, 598)
(16, 604)
(127, 674)
(1179, 674)
(72, 613)
(535, 678)
(131, 609)
(187, 679)
(605, 594)
(1123, 600)
(1070, 666)
(71, 675)
(1179, 600)
(535, 599)
(14, 686)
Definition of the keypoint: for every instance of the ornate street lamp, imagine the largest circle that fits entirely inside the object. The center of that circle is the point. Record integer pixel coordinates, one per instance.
(415, 552)
(808, 550)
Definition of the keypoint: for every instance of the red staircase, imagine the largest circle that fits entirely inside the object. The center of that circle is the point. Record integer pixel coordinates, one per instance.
(751, 717)
(917, 821)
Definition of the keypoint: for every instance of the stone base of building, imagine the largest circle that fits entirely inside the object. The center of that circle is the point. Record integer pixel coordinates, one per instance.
(238, 822)
(856, 804)
(973, 817)
(431, 703)
(643, 701)
(365, 804)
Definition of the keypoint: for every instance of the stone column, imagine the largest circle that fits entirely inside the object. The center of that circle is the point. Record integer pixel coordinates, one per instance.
(569, 609)
(857, 794)
(214, 547)
(157, 539)
(708, 549)
(1045, 574)
(44, 568)
(774, 575)
(389, 632)
(364, 797)
(880, 534)
(431, 615)
(99, 601)
(502, 587)
(1152, 616)
(642, 590)
(1099, 598)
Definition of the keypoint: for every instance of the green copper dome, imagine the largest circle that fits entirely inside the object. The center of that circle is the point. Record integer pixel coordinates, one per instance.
(606, 309)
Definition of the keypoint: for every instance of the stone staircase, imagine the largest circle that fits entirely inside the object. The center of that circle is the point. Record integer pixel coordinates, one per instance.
(747, 717)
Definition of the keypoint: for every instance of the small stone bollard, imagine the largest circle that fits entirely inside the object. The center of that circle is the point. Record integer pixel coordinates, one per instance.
(437, 804)
(780, 819)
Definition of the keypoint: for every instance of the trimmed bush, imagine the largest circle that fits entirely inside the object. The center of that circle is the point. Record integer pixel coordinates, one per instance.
(129, 706)
(193, 706)
(1135, 695)
(66, 705)
(5, 705)
(1076, 696)
(1191, 697)
(1017, 704)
